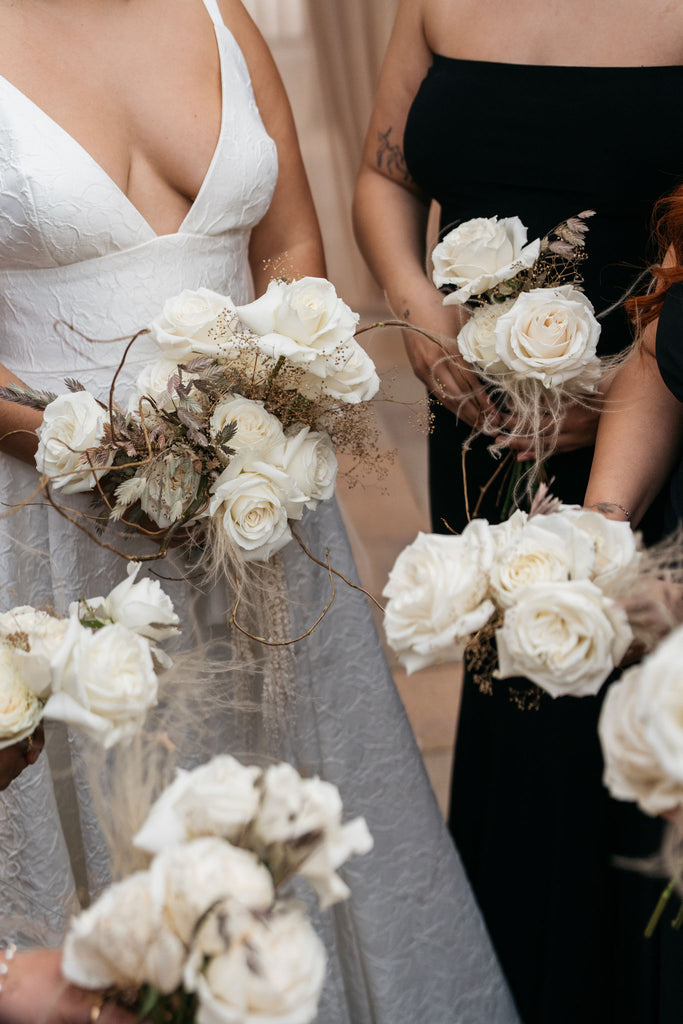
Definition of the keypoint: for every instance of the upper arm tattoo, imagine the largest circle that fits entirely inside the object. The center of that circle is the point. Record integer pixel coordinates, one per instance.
(390, 157)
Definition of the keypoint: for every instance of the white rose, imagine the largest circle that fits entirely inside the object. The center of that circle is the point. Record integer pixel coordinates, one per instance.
(662, 683)
(477, 338)
(256, 508)
(123, 940)
(566, 637)
(308, 458)
(269, 970)
(20, 709)
(187, 880)
(507, 532)
(437, 599)
(551, 335)
(193, 322)
(35, 638)
(348, 374)
(171, 487)
(617, 552)
(219, 798)
(152, 382)
(71, 425)
(103, 681)
(480, 253)
(142, 607)
(633, 771)
(258, 431)
(308, 312)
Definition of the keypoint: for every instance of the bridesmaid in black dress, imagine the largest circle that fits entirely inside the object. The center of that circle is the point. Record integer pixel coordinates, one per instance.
(537, 111)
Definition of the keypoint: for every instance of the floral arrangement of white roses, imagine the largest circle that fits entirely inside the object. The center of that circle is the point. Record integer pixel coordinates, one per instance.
(532, 334)
(95, 670)
(538, 596)
(236, 423)
(203, 934)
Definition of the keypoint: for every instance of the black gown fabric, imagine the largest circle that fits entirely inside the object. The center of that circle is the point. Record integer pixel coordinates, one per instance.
(535, 827)
(669, 348)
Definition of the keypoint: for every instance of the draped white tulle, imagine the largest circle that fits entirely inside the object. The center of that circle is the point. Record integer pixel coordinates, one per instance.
(410, 944)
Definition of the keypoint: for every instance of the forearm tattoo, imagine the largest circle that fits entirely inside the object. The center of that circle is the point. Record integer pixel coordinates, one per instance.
(390, 157)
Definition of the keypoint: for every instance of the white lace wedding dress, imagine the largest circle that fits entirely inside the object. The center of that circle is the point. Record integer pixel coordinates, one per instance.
(410, 945)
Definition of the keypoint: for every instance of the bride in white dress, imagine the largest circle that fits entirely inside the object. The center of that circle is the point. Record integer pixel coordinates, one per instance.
(144, 151)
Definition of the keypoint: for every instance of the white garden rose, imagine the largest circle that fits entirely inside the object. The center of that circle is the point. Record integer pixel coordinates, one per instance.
(551, 335)
(194, 322)
(141, 606)
(506, 533)
(477, 338)
(103, 681)
(20, 709)
(255, 509)
(123, 940)
(479, 254)
(71, 425)
(152, 382)
(662, 684)
(437, 594)
(189, 879)
(348, 374)
(257, 969)
(616, 546)
(258, 431)
(308, 458)
(566, 637)
(308, 312)
(633, 770)
(35, 638)
(219, 798)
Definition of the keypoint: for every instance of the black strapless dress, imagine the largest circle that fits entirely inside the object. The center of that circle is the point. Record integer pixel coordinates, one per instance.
(534, 825)
(669, 348)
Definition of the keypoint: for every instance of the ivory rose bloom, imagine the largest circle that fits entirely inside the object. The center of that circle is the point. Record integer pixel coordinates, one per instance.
(437, 594)
(71, 425)
(662, 683)
(189, 324)
(477, 338)
(124, 940)
(616, 547)
(308, 457)
(270, 972)
(551, 335)
(43, 635)
(20, 709)
(479, 254)
(258, 431)
(566, 637)
(141, 606)
(152, 381)
(541, 553)
(633, 767)
(348, 374)
(219, 798)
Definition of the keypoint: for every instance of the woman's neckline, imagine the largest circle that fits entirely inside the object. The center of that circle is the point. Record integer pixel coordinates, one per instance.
(559, 67)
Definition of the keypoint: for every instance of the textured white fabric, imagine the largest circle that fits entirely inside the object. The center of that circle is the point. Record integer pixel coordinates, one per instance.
(410, 946)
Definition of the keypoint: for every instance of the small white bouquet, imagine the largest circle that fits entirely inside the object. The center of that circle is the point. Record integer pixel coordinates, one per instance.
(203, 933)
(235, 424)
(537, 596)
(95, 670)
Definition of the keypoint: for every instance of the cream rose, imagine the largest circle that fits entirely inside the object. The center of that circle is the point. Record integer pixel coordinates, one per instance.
(20, 709)
(194, 322)
(551, 335)
(123, 940)
(437, 594)
(662, 686)
(217, 799)
(153, 382)
(348, 374)
(102, 681)
(479, 254)
(35, 637)
(633, 770)
(258, 431)
(71, 425)
(141, 606)
(256, 507)
(566, 637)
(477, 338)
(308, 458)
(616, 547)
(271, 971)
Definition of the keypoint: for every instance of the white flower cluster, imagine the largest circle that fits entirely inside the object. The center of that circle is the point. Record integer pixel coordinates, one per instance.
(205, 917)
(549, 334)
(94, 670)
(552, 579)
(641, 730)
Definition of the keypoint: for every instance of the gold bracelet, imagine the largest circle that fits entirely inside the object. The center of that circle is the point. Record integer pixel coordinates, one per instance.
(8, 950)
(609, 506)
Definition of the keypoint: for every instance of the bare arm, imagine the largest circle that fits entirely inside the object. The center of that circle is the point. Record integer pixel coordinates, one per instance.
(287, 241)
(390, 217)
(639, 437)
(18, 424)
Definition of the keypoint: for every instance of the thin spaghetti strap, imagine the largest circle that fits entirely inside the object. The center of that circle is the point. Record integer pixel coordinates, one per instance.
(214, 11)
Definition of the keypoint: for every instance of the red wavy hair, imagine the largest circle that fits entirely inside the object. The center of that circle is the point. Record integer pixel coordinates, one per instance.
(668, 234)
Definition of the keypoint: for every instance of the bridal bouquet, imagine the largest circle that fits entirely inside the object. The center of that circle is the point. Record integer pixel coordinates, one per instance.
(236, 422)
(95, 670)
(536, 596)
(532, 335)
(203, 934)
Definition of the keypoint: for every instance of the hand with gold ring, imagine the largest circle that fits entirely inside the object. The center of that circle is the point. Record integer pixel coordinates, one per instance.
(20, 755)
(34, 992)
